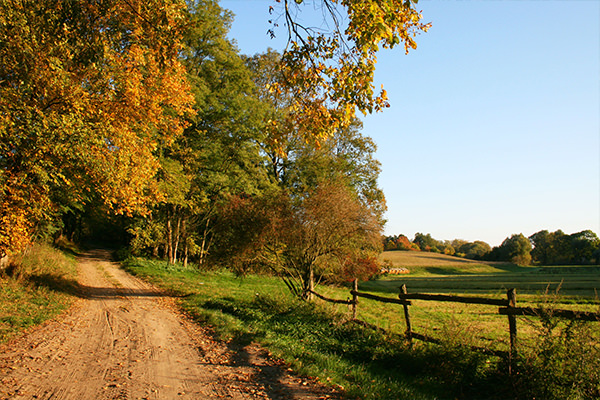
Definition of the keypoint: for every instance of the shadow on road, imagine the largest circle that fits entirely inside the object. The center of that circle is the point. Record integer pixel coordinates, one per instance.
(90, 292)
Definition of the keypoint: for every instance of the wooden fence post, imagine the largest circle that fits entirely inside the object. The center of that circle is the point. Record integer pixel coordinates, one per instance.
(354, 297)
(406, 316)
(512, 326)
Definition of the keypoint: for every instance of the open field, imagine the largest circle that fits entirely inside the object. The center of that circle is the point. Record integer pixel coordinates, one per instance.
(561, 287)
(439, 273)
(425, 259)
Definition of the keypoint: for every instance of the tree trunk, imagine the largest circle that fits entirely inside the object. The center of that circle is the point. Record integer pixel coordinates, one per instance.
(185, 255)
(169, 241)
(203, 245)
(177, 236)
(309, 284)
(185, 242)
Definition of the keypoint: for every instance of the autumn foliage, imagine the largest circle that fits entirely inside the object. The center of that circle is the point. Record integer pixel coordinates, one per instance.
(144, 108)
(88, 92)
(361, 268)
(331, 70)
(327, 234)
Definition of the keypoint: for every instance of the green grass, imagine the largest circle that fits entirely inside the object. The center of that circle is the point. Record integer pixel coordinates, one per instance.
(438, 273)
(564, 287)
(37, 286)
(319, 340)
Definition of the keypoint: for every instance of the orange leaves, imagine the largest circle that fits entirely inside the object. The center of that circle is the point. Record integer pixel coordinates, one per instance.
(88, 91)
(15, 230)
(16, 219)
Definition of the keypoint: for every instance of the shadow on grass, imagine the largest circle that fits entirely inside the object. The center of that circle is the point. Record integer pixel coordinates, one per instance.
(363, 356)
(56, 283)
(270, 372)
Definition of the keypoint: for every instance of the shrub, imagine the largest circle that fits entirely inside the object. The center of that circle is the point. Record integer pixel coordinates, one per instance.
(565, 363)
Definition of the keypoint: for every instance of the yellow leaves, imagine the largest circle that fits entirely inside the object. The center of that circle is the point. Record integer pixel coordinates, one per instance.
(16, 225)
(15, 230)
(336, 72)
(94, 89)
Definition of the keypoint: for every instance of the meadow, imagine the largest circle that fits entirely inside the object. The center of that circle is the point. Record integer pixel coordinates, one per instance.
(439, 273)
(555, 287)
(321, 340)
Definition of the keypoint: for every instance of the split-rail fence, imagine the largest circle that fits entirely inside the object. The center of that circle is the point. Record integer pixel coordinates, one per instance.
(507, 306)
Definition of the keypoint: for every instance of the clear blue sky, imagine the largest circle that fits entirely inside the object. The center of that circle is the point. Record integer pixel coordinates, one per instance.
(494, 127)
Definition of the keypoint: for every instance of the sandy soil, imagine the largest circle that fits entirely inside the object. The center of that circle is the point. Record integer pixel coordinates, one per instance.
(125, 340)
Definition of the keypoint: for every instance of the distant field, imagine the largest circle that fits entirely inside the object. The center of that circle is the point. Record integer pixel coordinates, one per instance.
(421, 258)
(439, 273)
(423, 263)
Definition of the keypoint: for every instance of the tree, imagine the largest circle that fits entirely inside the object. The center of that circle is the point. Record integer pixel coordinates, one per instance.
(560, 248)
(427, 243)
(88, 91)
(584, 245)
(516, 249)
(476, 250)
(399, 242)
(348, 157)
(330, 71)
(302, 239)
(218, 154)
(541, 247)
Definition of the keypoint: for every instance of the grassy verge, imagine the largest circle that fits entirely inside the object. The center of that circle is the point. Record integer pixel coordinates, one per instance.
(36, 286)
(319, 340)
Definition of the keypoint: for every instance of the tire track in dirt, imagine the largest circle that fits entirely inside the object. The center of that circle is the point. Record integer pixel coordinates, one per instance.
(124, 340)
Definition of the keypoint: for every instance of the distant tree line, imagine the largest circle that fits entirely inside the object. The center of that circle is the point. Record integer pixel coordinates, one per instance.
(541, 248)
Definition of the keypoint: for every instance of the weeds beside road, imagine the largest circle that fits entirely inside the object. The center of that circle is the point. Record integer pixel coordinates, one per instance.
(35, 287)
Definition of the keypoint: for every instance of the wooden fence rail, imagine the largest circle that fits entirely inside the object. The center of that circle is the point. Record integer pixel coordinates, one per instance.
(539, 312)
(380, 298)
(506, 306)
(453, 299)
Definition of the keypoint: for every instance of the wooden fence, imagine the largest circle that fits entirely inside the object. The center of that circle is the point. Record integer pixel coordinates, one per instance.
(506, 306)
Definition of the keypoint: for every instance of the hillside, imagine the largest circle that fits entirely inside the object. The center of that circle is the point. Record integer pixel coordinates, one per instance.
(425, 259)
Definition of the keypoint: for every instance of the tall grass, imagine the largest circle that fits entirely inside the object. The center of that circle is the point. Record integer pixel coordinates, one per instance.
(37, 285)
(320, 340)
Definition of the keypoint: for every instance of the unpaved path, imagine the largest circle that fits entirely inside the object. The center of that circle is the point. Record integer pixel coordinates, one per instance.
(125, 340)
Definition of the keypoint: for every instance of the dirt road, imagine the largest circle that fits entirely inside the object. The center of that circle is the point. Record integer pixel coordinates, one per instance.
(125, 340)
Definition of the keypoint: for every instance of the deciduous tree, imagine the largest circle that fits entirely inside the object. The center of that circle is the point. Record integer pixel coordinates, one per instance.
(560, 248)
(218, 155)
(330, 69)
(303, 239)
(88, 91)
(516, 249)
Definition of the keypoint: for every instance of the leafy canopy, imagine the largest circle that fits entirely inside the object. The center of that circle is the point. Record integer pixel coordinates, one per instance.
(88, 92)
(331, 69)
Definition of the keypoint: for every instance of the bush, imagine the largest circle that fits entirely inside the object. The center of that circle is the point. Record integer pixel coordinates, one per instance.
(564, 365)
